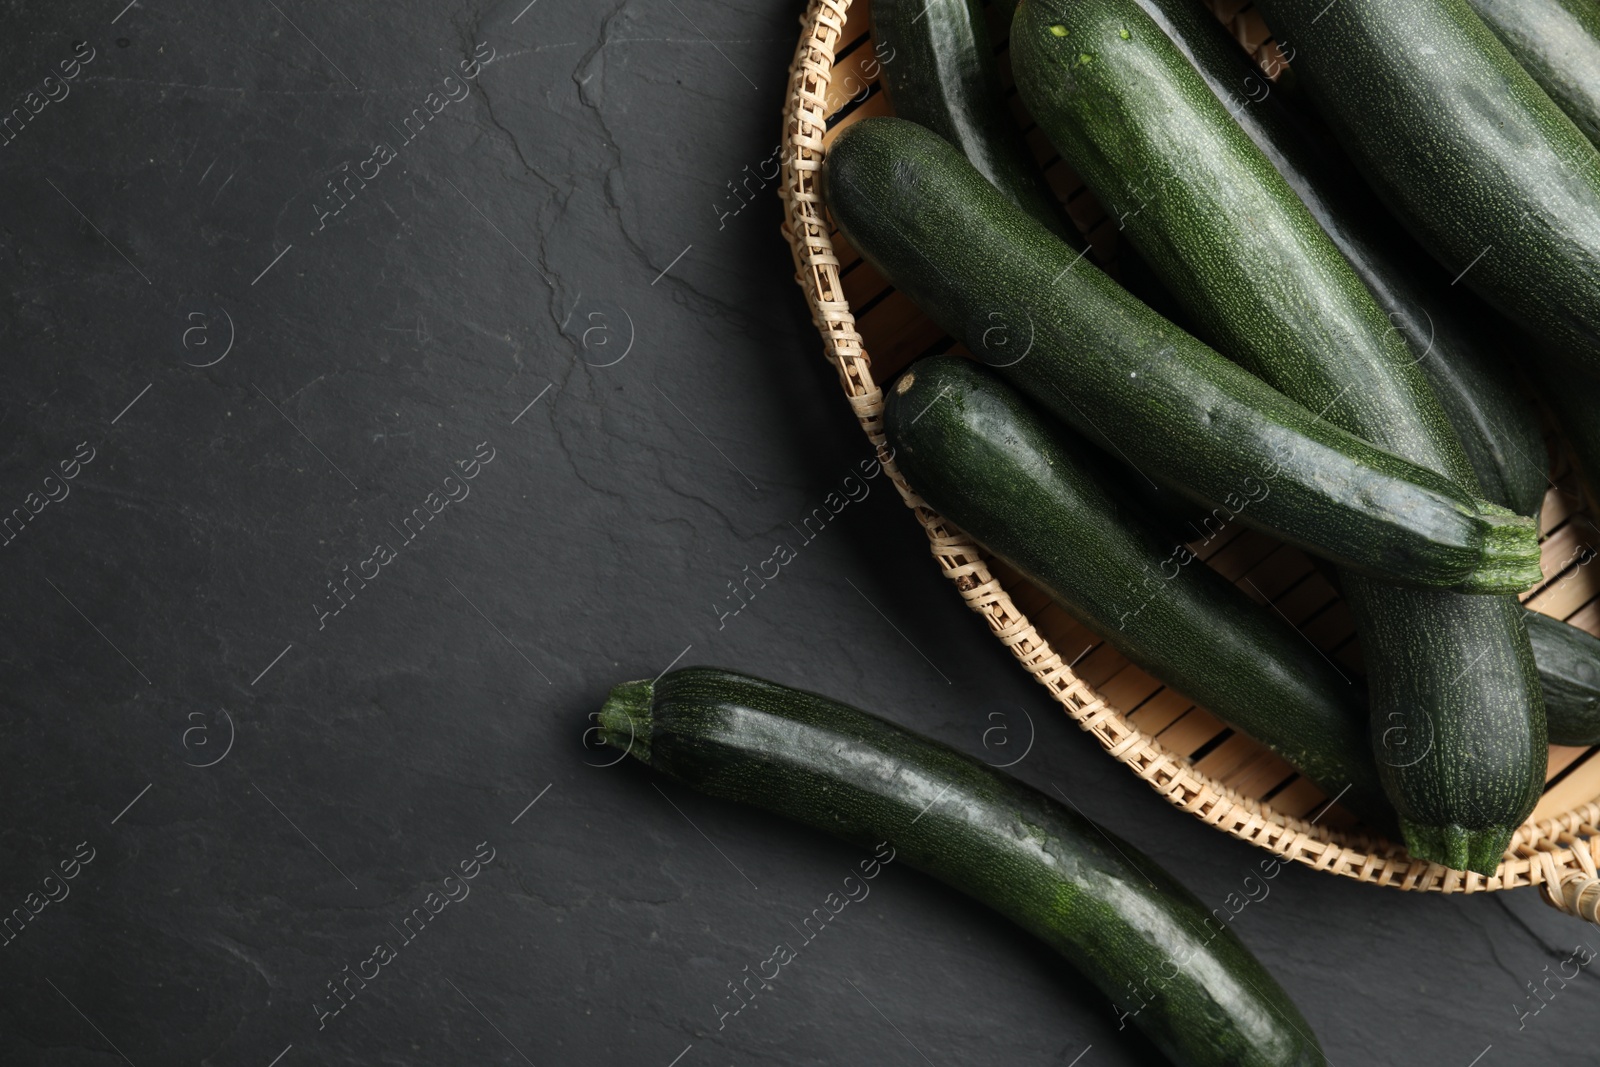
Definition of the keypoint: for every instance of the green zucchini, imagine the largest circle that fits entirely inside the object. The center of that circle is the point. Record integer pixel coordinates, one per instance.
(1065, 334)
(1237, 246)
(941, 73)
(1173, 517)
(1126, 924)
(984, 458)
(1465, 148)
(1458, 718)
(1488, 405)
(1575, 399)
(1558, 42)
(1569, 668)
(1569, 671)
(1461, 351)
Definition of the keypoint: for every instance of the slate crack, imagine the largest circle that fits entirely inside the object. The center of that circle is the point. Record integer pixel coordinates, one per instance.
(553, 189)
(1557, 954)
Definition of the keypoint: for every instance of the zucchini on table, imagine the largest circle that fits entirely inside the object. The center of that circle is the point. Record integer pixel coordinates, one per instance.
(1457, 721)
(1144, 940)
(1464, 351)
(1465, 148)
(1065, 334)
(983, 457)
(1558, 42)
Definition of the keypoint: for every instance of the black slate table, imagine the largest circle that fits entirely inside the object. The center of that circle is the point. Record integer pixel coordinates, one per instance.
(383, 382)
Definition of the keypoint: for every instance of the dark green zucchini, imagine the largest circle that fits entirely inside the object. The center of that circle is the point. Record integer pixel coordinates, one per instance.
(1569, 671)
(983, 457)
(1558, 42)
(941, 74)
(1462, 350)
(1170, 515)
(1458, 718)
(1569, 667)
(1575, 399)
(1237, 246)
(1490, 408)
(1065, 334)
(1465, 148)
(1126, 924)
(1569, 658)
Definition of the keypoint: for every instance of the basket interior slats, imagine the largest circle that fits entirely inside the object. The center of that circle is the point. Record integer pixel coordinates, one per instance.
(1579, 786)
(896, 333)
(1197, 729)
(1259, 776)
(1228, 757)
(1563, 757)
(1159, 707)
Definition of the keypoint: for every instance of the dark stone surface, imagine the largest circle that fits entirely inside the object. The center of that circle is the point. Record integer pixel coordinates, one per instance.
(508, 255)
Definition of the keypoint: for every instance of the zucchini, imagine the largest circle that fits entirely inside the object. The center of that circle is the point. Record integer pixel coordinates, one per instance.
(1126, 924)
(1467, 151)
(1173, 517)
(941, 74)
(975, 450)
(1065, 334)
(1569, 671)
(1279, 296)
(1558, 42)
(1458, 718)
(1576, 402)
(1569, 667)
(1450, 336)
(1488, 405)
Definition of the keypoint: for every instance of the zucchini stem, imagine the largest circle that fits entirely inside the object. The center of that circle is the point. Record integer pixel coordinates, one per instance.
(1458, 847)
(1510, 553)
(625, 719)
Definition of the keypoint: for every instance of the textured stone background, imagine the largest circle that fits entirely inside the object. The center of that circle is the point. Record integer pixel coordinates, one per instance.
(168, 612)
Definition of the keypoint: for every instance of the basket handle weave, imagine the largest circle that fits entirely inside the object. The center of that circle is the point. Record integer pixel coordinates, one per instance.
(1576, 894)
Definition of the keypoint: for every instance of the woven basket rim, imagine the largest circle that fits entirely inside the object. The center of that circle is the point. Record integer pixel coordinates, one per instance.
(1558, 854)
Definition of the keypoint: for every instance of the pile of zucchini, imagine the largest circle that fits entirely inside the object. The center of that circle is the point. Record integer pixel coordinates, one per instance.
(1364, 301)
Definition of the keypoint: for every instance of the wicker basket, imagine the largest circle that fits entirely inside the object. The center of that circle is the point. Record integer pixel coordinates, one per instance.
(1196, 762)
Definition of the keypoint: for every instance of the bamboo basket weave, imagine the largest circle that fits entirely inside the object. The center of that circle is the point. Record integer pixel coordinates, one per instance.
(1224, 778)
